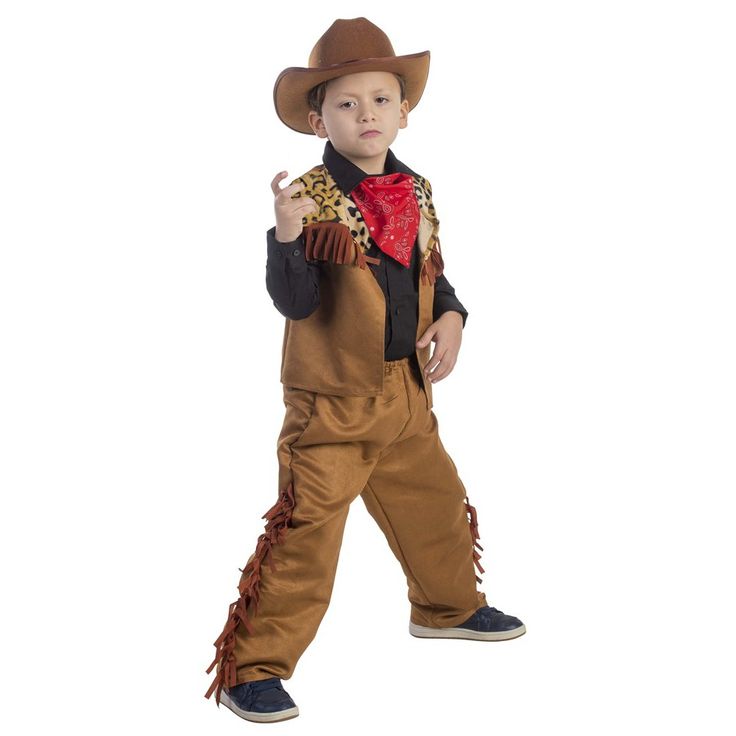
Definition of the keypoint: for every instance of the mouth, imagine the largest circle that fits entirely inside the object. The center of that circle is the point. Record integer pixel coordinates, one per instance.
(370, 133)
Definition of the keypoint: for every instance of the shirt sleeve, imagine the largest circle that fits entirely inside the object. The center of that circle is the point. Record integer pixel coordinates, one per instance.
(444, 294)
(292, 281)
(445, 300)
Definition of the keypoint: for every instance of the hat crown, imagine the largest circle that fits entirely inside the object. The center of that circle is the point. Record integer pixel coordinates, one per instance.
(350, 40)
(348, 46)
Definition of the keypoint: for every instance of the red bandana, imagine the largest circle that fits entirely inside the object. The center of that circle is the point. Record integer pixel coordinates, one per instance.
(391, 212)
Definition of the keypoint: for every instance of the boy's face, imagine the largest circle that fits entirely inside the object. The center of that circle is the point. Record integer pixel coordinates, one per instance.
(356, 103)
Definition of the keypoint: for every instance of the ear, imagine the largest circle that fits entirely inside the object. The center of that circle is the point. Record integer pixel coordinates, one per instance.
(317, 124)
(404, 114)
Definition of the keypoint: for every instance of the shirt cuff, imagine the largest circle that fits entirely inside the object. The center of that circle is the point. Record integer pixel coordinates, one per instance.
(291, 253)
(446, 303)
(464, 315)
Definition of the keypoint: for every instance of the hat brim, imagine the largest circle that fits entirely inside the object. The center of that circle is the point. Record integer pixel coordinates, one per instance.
(293, 84)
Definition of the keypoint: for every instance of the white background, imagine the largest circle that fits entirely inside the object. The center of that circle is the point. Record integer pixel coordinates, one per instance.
(582, 158)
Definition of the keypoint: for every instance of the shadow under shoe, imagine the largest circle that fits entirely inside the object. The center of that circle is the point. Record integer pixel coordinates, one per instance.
(486, 624)
(262, 701)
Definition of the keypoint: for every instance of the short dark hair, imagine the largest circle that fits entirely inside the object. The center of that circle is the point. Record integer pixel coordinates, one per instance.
(316, 95)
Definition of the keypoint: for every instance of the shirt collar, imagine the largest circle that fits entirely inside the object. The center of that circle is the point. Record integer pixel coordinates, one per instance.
(347, 175)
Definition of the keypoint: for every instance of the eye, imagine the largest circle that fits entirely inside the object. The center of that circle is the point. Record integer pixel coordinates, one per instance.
(349, 102)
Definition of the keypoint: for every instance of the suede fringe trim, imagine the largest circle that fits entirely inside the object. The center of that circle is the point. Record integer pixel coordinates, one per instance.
(332, 241)
(473, 524)
(279, 517)
(433, 265)
(362, 258)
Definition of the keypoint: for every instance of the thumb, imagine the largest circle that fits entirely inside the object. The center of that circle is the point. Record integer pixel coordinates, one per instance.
(423, 341)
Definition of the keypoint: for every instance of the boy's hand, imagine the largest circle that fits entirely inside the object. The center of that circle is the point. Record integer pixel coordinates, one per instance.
(289, 211)
(447, 332)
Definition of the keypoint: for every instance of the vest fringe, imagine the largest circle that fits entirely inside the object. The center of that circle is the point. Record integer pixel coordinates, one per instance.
(433, 265)
(473, 525)
(363, 259)
(279, 517)
(332, 241)
(328, 241)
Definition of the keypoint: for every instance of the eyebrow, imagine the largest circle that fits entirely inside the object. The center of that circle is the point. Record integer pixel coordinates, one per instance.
(375, 91)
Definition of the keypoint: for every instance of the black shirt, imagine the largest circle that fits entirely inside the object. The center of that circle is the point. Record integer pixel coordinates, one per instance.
(293, 282)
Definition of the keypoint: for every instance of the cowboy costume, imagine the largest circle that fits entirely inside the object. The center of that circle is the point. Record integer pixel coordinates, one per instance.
(358, 417)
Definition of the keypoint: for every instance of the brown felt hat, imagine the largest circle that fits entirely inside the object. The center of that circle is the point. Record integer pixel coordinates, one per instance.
(348, 46)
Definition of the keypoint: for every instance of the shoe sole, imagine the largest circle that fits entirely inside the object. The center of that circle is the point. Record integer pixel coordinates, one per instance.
(249, 715)
(453, 632)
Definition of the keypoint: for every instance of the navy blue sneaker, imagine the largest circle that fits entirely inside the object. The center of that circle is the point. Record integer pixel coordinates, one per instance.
(262, 701)
(486, 624)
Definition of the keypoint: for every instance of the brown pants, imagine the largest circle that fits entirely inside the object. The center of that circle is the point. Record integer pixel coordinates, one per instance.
(331, 449)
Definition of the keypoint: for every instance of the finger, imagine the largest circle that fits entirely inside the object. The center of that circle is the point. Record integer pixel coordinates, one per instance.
(430, 333)
(445, 368)
(439, 351)
(285, 195)
(292, 206)
(275, 181)
(306, 208)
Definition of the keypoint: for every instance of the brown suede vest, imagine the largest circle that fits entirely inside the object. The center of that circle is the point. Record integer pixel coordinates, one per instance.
(339, 348)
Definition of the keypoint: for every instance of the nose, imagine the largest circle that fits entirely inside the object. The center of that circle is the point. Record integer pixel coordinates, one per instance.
(368, 114)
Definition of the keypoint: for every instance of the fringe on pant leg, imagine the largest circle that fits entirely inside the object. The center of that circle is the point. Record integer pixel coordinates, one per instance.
(279, 517)
(473, 525)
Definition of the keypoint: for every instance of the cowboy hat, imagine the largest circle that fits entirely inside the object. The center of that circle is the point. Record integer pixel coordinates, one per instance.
(348, 46)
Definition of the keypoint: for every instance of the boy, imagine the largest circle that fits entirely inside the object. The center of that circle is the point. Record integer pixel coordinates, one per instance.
(354, 265)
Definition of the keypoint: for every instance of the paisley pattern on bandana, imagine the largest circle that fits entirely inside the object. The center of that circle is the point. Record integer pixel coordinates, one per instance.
(390, 209)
